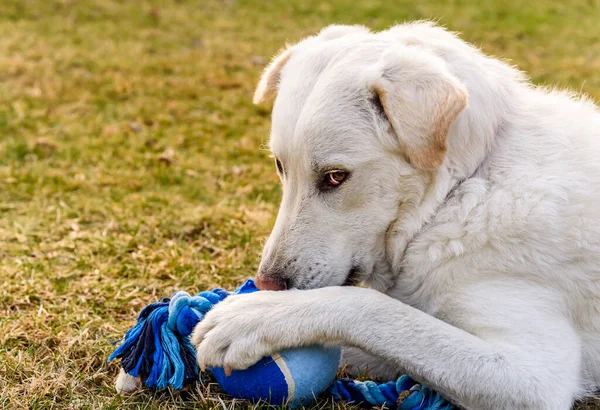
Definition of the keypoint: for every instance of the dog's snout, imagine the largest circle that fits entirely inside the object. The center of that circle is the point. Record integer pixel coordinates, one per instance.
(265, 282)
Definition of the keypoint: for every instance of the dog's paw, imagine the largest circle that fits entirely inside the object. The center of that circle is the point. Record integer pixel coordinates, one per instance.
(126, 384)
(241, 330)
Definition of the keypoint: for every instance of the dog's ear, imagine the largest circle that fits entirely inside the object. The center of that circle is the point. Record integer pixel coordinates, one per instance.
(269, 82)
(421, 99)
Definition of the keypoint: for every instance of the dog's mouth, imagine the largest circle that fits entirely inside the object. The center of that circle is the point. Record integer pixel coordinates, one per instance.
(353, 277)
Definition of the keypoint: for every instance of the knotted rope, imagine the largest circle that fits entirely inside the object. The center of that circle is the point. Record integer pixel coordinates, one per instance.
(403, 394)
(158, 349)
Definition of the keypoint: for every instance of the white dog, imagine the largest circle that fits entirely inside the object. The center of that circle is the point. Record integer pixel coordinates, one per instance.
(466, 198)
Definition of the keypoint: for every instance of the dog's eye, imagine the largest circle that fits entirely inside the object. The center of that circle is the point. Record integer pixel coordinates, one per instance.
(336, 177)
(279, 167)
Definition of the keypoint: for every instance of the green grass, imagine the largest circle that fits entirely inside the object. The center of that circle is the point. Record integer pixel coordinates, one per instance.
(132, 160)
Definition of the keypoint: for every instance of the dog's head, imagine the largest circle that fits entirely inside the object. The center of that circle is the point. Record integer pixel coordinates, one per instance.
(359, 126)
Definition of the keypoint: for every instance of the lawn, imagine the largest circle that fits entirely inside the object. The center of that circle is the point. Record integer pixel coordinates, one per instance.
(132, 161)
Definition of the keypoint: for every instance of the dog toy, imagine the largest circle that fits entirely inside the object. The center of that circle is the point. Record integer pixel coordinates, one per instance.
(158, 351)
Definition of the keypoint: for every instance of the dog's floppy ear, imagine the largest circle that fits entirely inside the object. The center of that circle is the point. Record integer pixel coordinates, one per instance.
(269, 82)
(421, 99)
(267, 86)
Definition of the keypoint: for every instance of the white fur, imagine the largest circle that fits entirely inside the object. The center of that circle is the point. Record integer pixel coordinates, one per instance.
(127, 383)
(485, 271)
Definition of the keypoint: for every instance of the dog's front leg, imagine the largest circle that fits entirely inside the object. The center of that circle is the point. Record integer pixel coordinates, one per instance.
(358, 363)
(498, 369)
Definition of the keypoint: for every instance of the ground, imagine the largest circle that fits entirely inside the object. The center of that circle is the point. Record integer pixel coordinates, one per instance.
(132, 162)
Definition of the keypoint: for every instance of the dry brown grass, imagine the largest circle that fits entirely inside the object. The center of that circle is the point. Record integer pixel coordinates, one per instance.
(130, 160)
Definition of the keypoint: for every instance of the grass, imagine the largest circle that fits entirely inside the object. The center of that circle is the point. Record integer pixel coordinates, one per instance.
(131, 160)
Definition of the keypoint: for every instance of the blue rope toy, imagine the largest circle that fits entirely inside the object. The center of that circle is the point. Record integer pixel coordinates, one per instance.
(158, 350)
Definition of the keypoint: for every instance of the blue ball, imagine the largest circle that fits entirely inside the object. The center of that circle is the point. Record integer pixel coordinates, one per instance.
(293, 377)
